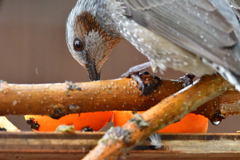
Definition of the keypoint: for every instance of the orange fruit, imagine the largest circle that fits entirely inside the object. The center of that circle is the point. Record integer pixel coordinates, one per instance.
(94, 120)
(191, 123)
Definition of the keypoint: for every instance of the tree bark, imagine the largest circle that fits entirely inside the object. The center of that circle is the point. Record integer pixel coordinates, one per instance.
(61, 99)
(118, 141)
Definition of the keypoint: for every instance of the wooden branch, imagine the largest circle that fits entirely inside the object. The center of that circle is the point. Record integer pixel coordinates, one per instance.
(221, 106)
(60, 99)
(119, 140)
(38, 146)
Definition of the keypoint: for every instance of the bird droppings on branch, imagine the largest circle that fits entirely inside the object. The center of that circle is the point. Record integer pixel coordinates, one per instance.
(139, 121)
(115, 134)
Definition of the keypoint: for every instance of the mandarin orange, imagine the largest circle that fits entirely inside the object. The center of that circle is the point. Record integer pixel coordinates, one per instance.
(191, 123)
(95, 120)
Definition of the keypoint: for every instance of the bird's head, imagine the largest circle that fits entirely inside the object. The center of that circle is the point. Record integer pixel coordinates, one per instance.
(88, 42)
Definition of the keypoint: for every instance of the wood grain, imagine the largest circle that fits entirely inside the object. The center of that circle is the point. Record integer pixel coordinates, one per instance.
(52, 146)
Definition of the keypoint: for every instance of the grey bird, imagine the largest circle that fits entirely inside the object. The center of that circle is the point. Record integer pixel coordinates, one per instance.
(194, 36)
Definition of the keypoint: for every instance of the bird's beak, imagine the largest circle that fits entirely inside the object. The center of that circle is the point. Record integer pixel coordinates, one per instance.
(92, 72)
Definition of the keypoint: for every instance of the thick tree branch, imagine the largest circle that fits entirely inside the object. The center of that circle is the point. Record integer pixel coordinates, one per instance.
(119, 140)
(60, 99)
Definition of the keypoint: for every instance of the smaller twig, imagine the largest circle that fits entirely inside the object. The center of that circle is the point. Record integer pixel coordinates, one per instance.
(120, 140)
(221, 107)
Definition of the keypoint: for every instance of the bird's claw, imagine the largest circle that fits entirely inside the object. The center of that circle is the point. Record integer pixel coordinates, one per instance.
(129, 73)
(146, 82)
(187, 79)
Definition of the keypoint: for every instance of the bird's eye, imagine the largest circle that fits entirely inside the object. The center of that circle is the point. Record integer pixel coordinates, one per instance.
(78, 45)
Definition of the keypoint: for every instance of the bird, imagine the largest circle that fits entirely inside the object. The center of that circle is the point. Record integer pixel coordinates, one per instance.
(193, 36)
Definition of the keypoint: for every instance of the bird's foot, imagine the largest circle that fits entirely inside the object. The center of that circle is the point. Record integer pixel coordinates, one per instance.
(146, 82)
(135, 70)
(187, 79)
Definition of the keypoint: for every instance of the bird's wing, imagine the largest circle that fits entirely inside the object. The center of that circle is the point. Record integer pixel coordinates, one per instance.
(235, 8)
(195, 25)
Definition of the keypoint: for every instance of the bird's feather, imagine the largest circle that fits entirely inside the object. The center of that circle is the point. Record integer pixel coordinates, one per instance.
(195, 25)
(235, 8)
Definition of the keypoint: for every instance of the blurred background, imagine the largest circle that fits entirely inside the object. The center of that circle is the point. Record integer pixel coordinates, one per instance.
(33, 50)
